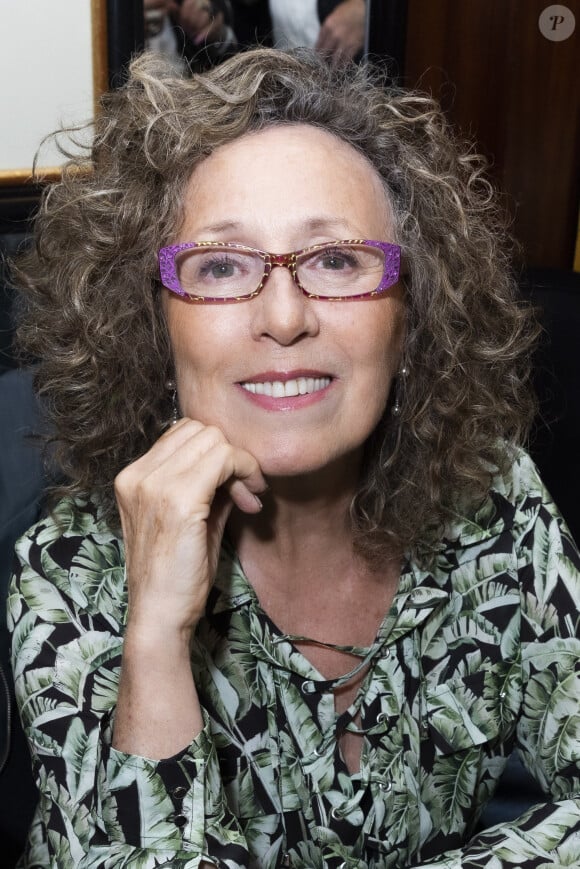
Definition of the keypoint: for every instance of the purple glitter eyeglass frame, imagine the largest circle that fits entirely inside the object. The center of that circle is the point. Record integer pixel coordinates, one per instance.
(170, 279)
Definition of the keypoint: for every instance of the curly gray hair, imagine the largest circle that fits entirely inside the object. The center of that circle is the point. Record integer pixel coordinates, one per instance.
(91, 286)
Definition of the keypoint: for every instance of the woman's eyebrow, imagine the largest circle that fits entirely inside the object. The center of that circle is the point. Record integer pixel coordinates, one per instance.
(311, 225)
(222, 226)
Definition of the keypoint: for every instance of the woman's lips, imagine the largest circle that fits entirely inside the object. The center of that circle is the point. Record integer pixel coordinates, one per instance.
(286, 388)
(276, 391)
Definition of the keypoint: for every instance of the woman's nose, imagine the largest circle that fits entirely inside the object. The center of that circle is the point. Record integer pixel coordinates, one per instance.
(282, 311)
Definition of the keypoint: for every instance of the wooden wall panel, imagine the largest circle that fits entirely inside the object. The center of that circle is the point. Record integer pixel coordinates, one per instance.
(518, 94)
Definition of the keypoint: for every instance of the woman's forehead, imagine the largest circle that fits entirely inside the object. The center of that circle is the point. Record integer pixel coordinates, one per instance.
(289, 172)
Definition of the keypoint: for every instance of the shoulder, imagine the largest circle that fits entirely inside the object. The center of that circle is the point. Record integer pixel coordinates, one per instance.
(521, 481)
(516, 501)
(527, 500)
(72, 520)
(73, 550)
(514, 538)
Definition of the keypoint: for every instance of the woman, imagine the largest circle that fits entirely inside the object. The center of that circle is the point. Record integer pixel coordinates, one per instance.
(304, 624)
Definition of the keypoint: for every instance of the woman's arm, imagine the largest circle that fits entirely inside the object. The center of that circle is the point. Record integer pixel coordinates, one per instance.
(67, 609)
(173, 523)
(154, 785)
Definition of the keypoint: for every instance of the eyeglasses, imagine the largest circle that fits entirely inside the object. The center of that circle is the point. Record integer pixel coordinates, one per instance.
(337, 271)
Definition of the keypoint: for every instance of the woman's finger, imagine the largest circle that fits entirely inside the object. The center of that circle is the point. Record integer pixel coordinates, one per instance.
(187, 465)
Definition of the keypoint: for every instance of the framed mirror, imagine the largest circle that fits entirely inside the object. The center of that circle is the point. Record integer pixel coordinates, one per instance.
(54, 60)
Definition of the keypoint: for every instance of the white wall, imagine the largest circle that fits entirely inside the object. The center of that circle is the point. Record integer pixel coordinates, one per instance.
(46, 76)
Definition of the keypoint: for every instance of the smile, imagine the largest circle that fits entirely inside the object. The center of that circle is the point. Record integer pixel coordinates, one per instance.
(287, 388)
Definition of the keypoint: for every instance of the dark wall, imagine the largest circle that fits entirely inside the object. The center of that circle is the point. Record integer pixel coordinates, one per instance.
(501, 81)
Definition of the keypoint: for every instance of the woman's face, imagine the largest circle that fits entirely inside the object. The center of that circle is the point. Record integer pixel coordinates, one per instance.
(283, 189)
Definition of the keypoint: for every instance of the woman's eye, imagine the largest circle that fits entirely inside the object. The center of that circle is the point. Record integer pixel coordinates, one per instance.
(217, 269)
(333, 262)
(222, 270)
(336, 261)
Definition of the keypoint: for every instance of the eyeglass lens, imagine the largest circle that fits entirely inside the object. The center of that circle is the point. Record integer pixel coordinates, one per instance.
(226, 272)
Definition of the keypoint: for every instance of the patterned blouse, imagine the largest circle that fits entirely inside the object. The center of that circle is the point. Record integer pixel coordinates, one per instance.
(475, 655)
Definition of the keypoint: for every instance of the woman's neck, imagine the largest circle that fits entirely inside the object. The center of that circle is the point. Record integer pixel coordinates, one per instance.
(298, 554)
(303, 520)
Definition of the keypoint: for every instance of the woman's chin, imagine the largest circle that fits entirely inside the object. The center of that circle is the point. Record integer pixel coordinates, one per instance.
(301, 466)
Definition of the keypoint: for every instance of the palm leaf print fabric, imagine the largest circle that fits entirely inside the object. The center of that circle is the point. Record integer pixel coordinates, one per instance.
(475, 656)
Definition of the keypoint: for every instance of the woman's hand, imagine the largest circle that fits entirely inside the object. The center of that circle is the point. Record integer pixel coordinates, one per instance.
(174, 503)
(342, 33)
(199, 20)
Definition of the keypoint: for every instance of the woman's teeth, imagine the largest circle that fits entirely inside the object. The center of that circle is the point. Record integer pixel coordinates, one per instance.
(288, 388)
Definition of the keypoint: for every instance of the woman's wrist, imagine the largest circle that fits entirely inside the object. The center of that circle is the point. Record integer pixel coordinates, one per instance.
(157, 640)
(158, 712)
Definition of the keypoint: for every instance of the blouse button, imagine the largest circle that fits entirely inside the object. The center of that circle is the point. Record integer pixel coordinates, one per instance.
(319, 751)
(502, 695)
(179, 820)
(337, 814)
(385, 786)
(308, 687)
(381, 717)
(179, 792)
